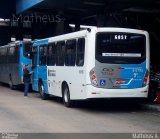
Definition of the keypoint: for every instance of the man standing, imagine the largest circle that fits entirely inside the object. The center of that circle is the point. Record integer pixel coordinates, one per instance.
(26, 79)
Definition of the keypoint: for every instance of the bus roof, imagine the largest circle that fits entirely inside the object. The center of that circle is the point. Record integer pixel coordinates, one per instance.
(83, 34)
(60, 37)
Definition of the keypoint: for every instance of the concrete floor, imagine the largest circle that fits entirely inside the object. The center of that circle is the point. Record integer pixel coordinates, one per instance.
(33, 115)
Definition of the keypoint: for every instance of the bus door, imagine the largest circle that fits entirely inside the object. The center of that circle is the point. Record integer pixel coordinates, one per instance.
(80, 70)
(51, 81)
(51, 73)
(35, 68)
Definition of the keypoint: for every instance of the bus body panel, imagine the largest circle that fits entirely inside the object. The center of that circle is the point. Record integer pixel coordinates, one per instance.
(75, 81)
(42, 75)
(35, 79)
(122, 76)
(10, 70)
(39, 76)
(94, 92)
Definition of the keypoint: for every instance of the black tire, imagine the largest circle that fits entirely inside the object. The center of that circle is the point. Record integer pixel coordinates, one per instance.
(66, 97)
(43, 95)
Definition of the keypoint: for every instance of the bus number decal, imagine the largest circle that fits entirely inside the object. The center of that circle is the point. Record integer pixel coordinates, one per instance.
(120, 37)
(51, 73)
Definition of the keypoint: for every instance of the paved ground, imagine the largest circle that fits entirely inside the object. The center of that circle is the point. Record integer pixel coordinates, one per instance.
(33, 115)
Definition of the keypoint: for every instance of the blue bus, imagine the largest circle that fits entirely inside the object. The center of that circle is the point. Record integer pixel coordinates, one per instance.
(92, 64)
(12, 56)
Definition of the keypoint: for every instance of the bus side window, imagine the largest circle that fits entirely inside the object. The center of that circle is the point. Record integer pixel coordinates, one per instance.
(70, 55)
(51, 55)
(43, 55)
(60, 53)
(80, 52)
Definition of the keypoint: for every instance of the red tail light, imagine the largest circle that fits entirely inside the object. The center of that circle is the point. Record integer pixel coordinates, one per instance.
(120, 81)
(145, 80)
(93, 78)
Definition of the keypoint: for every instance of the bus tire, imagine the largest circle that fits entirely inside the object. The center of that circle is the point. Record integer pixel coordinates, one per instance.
(11, 86)
(43, 95)
(66, 97)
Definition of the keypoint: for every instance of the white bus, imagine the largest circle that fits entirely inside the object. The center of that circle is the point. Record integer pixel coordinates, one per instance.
(93, 63)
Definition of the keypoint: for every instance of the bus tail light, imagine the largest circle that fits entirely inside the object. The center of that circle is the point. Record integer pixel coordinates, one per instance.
(93, 78)
(146, 77)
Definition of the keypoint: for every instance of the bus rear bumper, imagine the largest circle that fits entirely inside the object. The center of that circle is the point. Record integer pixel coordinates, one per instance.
(93, 92)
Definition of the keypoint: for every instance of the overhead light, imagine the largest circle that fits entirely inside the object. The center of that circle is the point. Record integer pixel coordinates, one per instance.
(7, 20)
(1, 19)
(82, 26)
(13, 39)
(27, 39)
(72, 25)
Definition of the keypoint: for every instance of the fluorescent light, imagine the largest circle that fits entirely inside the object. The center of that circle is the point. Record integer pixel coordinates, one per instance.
(82, 26)
(1, 19)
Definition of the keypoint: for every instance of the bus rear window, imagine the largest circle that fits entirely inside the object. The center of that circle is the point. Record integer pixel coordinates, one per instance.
(120, 48)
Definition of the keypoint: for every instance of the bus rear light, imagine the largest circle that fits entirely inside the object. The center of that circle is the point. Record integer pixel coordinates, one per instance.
(120, 81)
(146, 77)
(92, 72)
(93, 78)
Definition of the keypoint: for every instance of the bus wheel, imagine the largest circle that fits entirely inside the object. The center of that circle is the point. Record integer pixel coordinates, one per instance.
(66, 97)
(43, 95)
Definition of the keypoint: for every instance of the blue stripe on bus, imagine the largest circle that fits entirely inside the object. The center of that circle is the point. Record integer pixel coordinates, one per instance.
(133, 75)
(40, 42)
